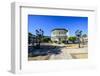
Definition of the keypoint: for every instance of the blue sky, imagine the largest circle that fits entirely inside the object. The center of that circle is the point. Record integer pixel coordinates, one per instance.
(47, 23)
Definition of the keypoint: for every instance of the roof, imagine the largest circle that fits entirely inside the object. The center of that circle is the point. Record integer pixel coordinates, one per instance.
(59, 29)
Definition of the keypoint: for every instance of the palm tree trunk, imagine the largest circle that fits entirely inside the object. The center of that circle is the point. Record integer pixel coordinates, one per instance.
(79, 42)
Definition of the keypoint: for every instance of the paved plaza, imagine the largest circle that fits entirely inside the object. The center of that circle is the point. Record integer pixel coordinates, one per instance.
(71, 54)
(71, 51)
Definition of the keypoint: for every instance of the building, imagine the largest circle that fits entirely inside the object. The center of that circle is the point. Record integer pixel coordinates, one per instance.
(59, 35)
(84, 40)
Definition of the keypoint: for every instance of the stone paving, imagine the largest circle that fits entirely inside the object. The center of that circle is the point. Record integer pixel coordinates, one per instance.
(67, 53)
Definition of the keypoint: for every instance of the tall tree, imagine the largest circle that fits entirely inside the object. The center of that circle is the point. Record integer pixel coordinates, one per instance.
(78, 34)
(39, 36)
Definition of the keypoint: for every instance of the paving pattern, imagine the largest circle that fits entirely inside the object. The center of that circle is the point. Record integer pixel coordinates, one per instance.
(67, 53)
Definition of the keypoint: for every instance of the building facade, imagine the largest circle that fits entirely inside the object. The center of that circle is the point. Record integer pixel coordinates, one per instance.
(59, 35)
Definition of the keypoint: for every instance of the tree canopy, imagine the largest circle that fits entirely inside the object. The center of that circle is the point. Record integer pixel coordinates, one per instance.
(72, 38)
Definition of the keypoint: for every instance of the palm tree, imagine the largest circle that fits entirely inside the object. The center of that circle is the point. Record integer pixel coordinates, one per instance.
(78, 34)
(39, 36)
